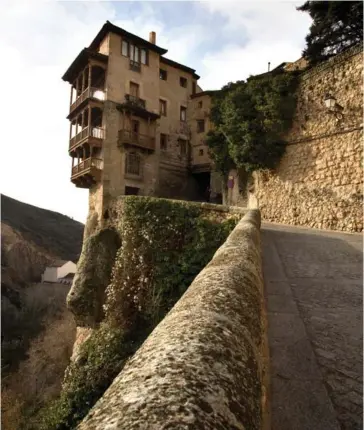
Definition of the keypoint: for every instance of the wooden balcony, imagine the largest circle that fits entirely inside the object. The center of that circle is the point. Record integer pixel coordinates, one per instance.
(91, 135)
(89, 93)
(135, 66)
(134, 100)
(87, 173)
(128, 137)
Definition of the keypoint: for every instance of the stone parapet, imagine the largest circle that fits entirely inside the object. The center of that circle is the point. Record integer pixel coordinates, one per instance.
(204, 365)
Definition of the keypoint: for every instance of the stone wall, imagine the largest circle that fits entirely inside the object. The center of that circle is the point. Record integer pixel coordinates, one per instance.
(204, 365)
(319, 180)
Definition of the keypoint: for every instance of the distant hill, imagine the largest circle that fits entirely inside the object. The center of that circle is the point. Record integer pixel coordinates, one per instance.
(56, 233)
(30, 239)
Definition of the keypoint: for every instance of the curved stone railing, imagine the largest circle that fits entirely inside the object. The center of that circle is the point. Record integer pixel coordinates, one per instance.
(204, 365)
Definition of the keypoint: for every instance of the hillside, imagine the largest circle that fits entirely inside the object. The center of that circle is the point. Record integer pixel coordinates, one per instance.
(30, 238)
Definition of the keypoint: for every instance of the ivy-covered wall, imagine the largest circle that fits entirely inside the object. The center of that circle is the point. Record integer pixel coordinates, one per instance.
(122, 291)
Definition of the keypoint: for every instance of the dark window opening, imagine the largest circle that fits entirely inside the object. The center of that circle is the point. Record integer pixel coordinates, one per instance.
(200, 105)
(200, 126)
(163, 74)
(183, 82)
(162, 107)
(163, 142)
(131, 191)
(135, 126)
(200, 152)
(193, 87)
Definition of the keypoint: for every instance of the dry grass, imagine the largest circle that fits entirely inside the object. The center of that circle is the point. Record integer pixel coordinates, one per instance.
(38, 378)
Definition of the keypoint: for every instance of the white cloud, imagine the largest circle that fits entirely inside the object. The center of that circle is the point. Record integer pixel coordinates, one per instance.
(269, 32)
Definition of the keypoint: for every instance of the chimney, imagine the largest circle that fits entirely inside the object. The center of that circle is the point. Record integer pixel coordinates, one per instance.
(152, 37)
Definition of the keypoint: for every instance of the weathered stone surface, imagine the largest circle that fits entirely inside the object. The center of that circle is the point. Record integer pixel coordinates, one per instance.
(203, 365)
(86, 296)
(319, 180)
(313, 282)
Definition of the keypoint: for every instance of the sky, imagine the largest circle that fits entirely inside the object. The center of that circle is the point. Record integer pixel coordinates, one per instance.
(224, 41)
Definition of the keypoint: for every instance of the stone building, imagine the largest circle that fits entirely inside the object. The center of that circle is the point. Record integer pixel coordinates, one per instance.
(137, 122)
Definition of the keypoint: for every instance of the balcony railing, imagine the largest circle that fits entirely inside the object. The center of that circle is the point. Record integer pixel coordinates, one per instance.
(90, 92)
(86, 166)
(135, 66)
(137, 139)
(95, 132)
(134, 100)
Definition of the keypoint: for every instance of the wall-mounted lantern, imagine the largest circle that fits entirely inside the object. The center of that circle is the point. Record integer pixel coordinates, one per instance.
(333, 106)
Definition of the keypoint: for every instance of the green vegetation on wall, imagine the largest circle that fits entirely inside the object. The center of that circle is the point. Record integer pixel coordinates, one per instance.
(250, 119)
(165, 244)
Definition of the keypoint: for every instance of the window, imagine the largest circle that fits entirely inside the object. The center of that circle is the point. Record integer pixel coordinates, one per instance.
(135, 126)
(163, 142)
(144, 56)
(132, 163)
(200, 125)
(134, 89)
(199, 105)
(131, 191)
(193, 87)
(183, 113)
(182, 146)
(163, 74)
(163, 107)
(134, 53)
(200, 152)
(125, 48)
(183, 82)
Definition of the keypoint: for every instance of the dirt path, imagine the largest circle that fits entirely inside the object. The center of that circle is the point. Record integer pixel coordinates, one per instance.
(313, 282)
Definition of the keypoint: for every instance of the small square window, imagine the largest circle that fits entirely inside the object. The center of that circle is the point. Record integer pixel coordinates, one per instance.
(162, 107)
(200, 126)
(200, 152)
(163, 142)
(163, 74)
(183, 82)
(199, 105)
(183, 113)
(125, 48)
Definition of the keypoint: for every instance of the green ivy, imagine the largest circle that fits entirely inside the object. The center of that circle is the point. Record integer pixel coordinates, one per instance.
(251, 118)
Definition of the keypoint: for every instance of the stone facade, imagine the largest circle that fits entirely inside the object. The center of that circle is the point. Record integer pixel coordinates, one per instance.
(318, 182)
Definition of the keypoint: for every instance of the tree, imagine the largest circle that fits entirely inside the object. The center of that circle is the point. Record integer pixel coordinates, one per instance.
(250, 119)
(337, 25)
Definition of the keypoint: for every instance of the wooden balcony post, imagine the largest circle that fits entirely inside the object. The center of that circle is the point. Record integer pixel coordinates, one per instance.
(70, 130)
(73, 162)
(83, 80)
(71, 95)
(89, 76)
(89, 119)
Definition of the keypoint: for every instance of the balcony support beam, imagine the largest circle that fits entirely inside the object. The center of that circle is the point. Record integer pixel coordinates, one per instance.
(89, 76)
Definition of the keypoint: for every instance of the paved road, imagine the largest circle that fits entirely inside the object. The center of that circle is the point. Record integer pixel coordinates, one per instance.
(313, 282)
